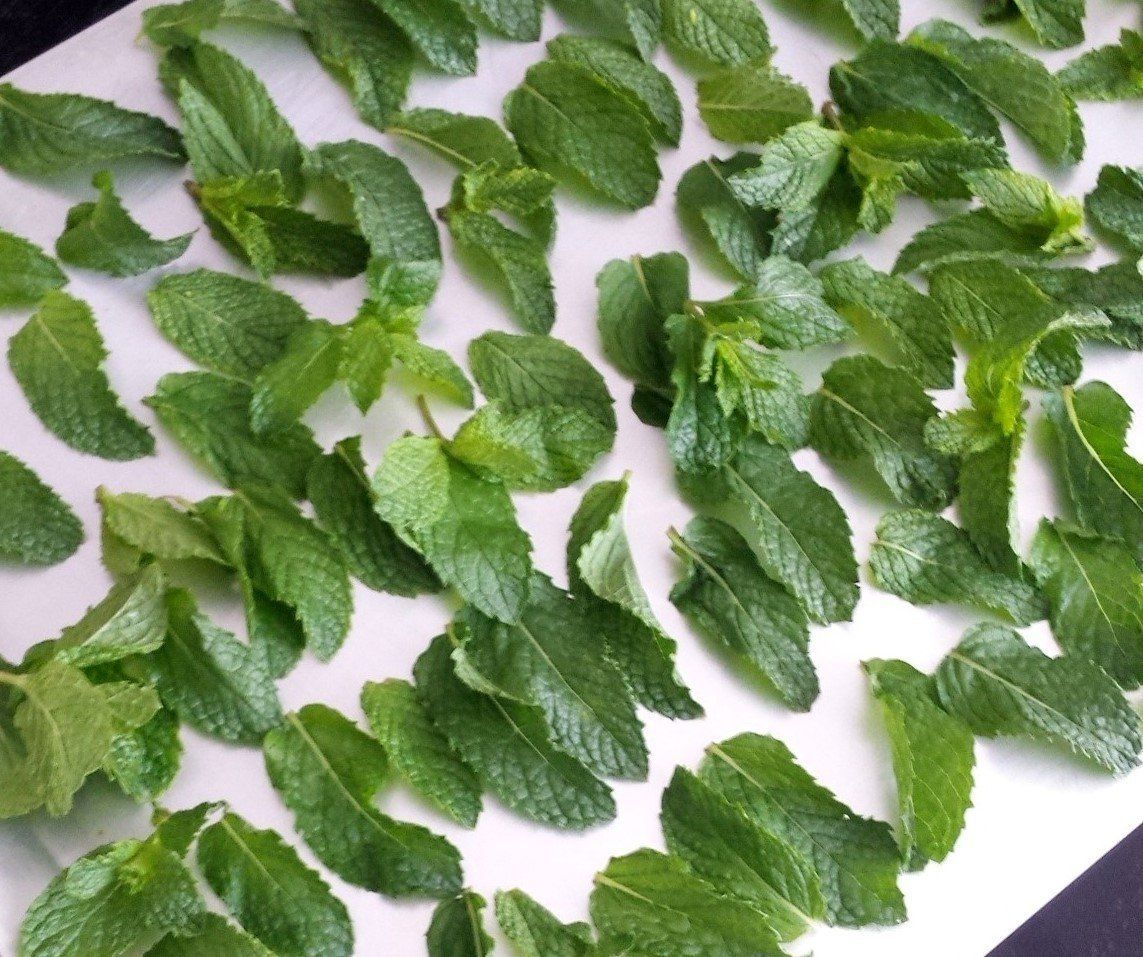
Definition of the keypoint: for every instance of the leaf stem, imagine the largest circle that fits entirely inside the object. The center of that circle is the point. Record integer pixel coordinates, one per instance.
(427, 415)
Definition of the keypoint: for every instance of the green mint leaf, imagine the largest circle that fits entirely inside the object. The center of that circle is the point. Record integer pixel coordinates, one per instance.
(419, 750)
(735, 604)
(536, 932)
(752, 103)
(506, 744)
(1027, 202)
(1056, 23)
(439, 30)
(1116, 205)
(111, 901)
(933, 760)
(102, 236)
(307, 367)
(602, 573)
(568, 121)
(865, 408)
(466, 141)
(802, 533)
(644, 86)
(359, 45)
(212, 936)
(874, 19)
(145, 761)
(44, 133)
(27, 273)
(926, 560)
(37, 527)
(181, 24)
(636, 298)
(1104, 483)
(894, 308)
(57, 358)
(525, 374)
(519, 20)
(727, 32)
(1095, 598)
(987, 501)
(210, 416)
(760, 384)
(328, 772)
(210, 679)
(1115, 289)
(637, 23)
(434, 367)
(793, 168)
(999, 685)
(65, 726)
(1107, 73)
(158, 527)
(888, 77)
(520, 260)
(739, 857)
(343, 504)
(230, 325)
(708, 206)
(463, 524)
(654, 902)
(555, 660)
(855, 857)
(457, 928)
(388, 203)
(271, 893)
(233, 128)
(828, 223)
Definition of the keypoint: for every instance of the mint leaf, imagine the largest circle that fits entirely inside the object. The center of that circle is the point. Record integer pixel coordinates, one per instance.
(286, 388)
(896, 309)
(1115, 289)
(555, 660)
(752, 103)
(57, 358)
(567, 121)
(653, 901)
(865, 408)
(102, 236)
(515, 19)
(733, 601)
(419, 751)
(971, 236)
(1104, 483)
(44, 133)
(440, 31)
(855, 857)
(874, 19)
(801, 532)
(210, 679)
(932, 760)
(827, 223)
(793, 168)
(466, 141)
(328, 772)
(1095, 598)
(343, 503)
(1056, 23)
(27, 273)
(708, 205)
(275, 896)
(987, 501)
(1017, 85)
(520, 260)
(158, 527)
(740, 858)
(358, 44)
(644, 86)
(926, 560)
(109, 902)
(727, 32)
(37, 527)
(457, 928)
(602, 573)
(1107, 73)
(230, 325)
(209, 414)
(212, 936)
(999, 685)
(888, 78)
(233, 128)
(463, 524)
(638, 23)
(1116, 205)
(180, 24)
(145, 760)
(506, 744)
(536, 932)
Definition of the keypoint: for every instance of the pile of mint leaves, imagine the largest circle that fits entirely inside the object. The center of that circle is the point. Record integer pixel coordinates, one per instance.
(531, 697)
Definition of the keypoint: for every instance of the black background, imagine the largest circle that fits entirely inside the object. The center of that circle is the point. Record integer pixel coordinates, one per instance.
(1099, 915)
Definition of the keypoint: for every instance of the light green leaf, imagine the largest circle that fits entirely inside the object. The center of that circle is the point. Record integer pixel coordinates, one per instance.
(874, 19)
(999, 685)
(926, 560)
(159, 527)
(286, 388)
(793, 168)
(735, 604)
(537, 932)
(145, 761)
(57, 358)
(752, 104)
(328, 773)
(37, 527)
(27, 273)
(212, 936)
(466, 141)
(1107, 73)
(727, 32)
(515, 19)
